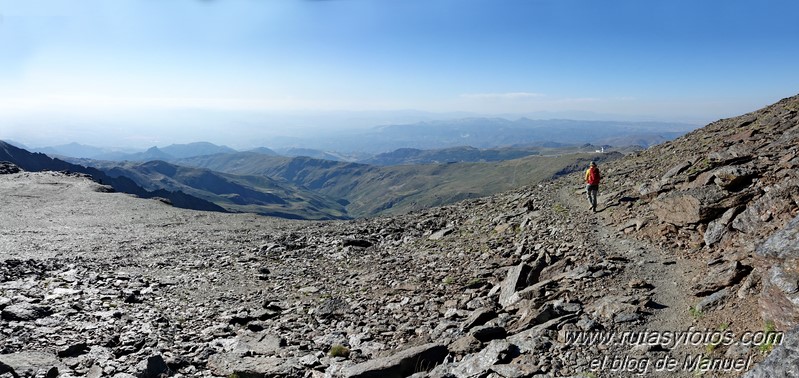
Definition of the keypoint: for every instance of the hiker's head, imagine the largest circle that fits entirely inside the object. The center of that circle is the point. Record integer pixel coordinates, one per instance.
(593, 164)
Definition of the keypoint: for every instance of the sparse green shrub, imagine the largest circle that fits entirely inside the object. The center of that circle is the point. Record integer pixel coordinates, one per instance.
(772, 339)
(448, 280)
(475, 283)
(709, 348)
(696, 313)
(338, 350)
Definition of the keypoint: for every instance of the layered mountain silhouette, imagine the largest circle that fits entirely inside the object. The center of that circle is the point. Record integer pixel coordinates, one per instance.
(495, 132)
(369, 190)
(174, 151)
(36, 162)
(238, 193)
(448, 155)
(308, 188)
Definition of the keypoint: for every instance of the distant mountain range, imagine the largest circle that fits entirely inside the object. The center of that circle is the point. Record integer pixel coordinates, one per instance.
(40, 162)
(368, 190)
(174, 151)
(427, 164)
(495, 132)
(237, 193)
(307, 188)
(366, 144)
(447, 155)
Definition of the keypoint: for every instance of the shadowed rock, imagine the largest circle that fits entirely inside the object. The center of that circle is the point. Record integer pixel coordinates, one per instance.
(7, 168)
(402, 364)
(476, 365)
(720, 276)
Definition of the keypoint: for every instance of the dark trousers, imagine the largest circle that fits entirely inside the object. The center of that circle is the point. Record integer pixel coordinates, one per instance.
(591, 191)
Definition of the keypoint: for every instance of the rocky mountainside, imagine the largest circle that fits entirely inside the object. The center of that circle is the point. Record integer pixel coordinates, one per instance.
(717, 194)
(526, 283)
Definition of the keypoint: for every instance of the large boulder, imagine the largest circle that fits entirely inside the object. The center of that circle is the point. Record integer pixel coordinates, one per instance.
(731, 177)
(25, 311)
(478, 365)
(719, 276)
(31, 364)
(229, 364)
(698, 205)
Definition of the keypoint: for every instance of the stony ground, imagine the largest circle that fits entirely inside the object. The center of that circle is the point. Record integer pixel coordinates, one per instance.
(103, 284)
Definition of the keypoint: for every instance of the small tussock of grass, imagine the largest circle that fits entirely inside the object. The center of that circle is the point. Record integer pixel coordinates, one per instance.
(339, 351)
(709, 348)
(558, 208)
(772, 338)
(696, 313)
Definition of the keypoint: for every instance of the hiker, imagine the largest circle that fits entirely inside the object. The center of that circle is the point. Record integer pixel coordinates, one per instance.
(592, 184)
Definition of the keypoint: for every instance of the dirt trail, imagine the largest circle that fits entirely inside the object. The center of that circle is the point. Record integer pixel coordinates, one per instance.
(666, 276)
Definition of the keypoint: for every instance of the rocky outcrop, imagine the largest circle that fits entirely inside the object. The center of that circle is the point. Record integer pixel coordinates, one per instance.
(7, 168)
(782, 362)
(25, 311)
(778, 258)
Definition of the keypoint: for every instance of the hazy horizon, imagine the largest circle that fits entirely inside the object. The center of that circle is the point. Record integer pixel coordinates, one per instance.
(141, 73)
(246, 130)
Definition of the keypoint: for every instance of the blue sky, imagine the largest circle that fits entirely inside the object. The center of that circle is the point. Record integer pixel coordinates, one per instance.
(79, 64)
